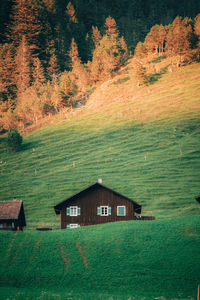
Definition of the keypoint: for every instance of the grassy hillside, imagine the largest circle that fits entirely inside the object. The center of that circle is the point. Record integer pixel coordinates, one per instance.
(154, 161)
(144, 143)
(123, 260)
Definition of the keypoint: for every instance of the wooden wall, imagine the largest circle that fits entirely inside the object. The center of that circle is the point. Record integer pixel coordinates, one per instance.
(89, 201)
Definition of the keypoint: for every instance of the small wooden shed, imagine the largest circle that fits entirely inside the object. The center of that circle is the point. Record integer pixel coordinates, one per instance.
(12, 215)
(95, 205)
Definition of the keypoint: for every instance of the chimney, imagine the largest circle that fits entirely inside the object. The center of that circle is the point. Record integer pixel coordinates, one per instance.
(100, 180)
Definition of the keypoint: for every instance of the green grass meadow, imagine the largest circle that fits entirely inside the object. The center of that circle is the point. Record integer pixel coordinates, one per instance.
(104, 261)
(155, 162)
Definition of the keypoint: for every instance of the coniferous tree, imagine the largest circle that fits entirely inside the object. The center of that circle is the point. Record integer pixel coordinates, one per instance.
(154, 41)
(38, 73)
(111, 27)
(73, 53)
(197, 28)
(53, 68)
(140, 50)
(140, 73)
(23, 72)
(7, 77)
(71, 13)
(96, 36)
(24, 23)
(178, 37)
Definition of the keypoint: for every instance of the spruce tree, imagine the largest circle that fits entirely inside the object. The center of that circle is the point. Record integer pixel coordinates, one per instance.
(197, 28)
(111, 27)
(96, 36)
(71, 13)
(178, 37)
(38, 73)
(23, 72)
(24, 23)
(7, 77)
(73, 53)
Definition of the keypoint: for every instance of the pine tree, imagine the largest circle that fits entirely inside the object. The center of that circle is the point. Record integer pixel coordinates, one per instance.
(140, 73)
(7, 77)
(53, 68)
(111, 27)
(71, 13)
(24, 23)
(73, 53)
(38, 73)
(178, 37)
(197, 28)
(23, 72)
(96, 36)
(154, 41)
(140, 50)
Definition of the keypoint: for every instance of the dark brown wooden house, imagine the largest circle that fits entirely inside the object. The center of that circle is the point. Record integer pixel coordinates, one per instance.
(12, 215)
(95, 205)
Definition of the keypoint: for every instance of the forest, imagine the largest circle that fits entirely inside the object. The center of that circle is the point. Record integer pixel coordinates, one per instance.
(54, 52)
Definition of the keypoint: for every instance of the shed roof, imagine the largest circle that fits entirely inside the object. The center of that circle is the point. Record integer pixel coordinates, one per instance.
(58, 207)
(10, 210)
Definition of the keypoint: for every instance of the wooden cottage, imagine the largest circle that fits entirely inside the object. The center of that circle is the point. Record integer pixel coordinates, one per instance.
(95, 205)
(12, 215)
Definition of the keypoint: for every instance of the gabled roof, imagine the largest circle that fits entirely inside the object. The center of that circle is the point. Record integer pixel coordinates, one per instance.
(58, 207)
(10, 210)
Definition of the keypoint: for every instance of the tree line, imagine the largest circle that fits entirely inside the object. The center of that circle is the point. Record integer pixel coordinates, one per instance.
(41, 71)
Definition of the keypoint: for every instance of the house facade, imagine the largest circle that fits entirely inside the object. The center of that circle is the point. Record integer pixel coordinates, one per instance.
(12, 215)
(95, 205)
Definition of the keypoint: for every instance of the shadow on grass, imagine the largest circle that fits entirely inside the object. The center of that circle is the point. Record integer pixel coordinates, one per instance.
(156, 76)
(28, 146)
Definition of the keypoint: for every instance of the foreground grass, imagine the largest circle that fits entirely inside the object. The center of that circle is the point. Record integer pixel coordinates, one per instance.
(142, 260)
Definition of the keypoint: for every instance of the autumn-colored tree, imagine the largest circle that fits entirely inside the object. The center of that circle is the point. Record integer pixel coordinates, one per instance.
(67, 88)
(111, 27)
(96, 36)
(53, 68)
(178, 37)
(140, 73)
(7, 71)
(123, 48)
(140, 50)
(71, 13)
(197, 28)
(24, 23)
(110, 53)
(73, 53)
(154, 41)
(38, 73)
(23, 72)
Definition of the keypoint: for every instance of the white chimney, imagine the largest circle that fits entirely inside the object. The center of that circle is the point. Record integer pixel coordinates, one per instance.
(100, 180)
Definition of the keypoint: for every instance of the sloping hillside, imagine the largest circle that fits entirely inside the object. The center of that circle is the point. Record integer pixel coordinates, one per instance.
(145, 144)
(123, 260)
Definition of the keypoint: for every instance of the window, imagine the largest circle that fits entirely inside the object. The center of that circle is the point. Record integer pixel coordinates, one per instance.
(121, 210)
(104, 211)
(73, 211)
(71, 226)
(1, 226)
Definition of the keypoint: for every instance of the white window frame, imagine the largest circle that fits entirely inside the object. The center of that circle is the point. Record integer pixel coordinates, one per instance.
(103, 212)
(73, 211)
(119, 215)
(73, 226)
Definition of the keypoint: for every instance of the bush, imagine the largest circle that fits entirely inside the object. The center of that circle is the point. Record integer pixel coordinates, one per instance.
(14, 140)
